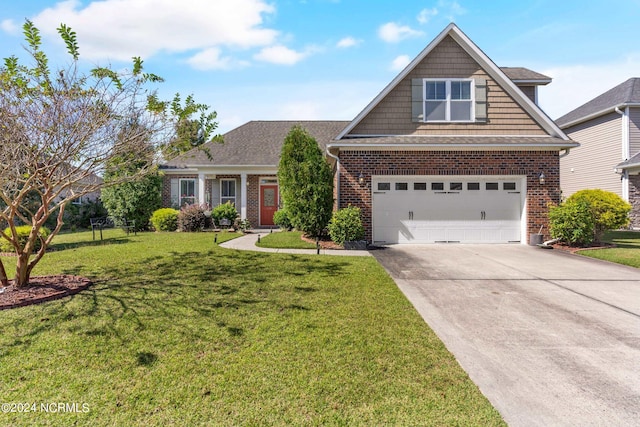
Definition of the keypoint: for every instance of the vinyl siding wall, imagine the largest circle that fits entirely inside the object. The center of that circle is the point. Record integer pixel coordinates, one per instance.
(634, 131)
(392, 116)
(594, 161)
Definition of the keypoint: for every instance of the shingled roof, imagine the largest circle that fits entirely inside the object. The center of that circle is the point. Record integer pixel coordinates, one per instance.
(525, 75)
(256, 143)
(624, 94)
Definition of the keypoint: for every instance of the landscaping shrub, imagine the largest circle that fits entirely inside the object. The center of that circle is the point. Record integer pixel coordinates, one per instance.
(609, 210)
(241, 224)
(282, 220)
(346, 225)
(572, 222)
(225, 211)
(165, 219)
(79, 216)
(192, 218)
(23, 235)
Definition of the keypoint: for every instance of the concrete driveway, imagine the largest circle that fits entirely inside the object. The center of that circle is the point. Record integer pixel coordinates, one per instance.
(550, 338)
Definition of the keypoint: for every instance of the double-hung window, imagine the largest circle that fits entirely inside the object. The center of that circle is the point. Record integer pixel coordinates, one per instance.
(187, 192)
(448, 100)
(228, 191)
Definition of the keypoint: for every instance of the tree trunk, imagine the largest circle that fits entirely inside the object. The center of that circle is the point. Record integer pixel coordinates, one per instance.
(22, 271)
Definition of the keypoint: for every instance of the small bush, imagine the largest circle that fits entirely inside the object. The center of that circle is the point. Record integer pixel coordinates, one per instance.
(79, 216)
(192, 218)
(242, 224)
(609, 210)
(23, 235)
(165, 219)
(225, 211)
(282, 220)
(346, 225)
(572, 222)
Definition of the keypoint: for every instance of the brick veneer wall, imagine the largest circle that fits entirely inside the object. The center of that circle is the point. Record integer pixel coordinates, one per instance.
(447, 163)
(634, 199)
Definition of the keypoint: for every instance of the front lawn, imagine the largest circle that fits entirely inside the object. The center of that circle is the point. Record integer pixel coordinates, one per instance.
(627, 250)
(285, 240)
(178, 331)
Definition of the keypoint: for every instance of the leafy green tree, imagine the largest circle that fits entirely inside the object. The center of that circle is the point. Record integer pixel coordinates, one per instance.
(306, 183)
(61, 128)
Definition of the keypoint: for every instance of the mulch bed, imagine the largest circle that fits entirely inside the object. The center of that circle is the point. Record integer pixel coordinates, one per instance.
(573, 249)
(41, 289)
(324, 244)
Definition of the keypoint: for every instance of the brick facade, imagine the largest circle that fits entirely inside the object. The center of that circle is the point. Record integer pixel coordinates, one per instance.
(447, 163)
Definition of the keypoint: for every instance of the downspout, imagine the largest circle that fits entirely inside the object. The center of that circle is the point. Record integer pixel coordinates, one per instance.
(625, 149)
(337, 173)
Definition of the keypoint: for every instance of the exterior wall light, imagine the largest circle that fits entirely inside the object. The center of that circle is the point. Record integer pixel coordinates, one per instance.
(360, 178)
(541, 178)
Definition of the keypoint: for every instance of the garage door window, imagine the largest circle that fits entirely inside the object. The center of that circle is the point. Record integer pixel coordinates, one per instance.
(402, 186)
(492, 186)
(384, 186)
(473, 186)
(509, 186)
(419, 186)
(437, 186)
(455, 186)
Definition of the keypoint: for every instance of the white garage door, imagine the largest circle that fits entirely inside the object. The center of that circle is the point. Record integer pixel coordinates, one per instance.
(428, 209)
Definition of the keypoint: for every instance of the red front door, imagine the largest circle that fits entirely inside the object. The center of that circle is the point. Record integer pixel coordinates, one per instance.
(268, 203)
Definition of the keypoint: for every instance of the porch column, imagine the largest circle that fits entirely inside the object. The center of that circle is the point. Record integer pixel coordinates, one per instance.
(201, 189)
(243, 195)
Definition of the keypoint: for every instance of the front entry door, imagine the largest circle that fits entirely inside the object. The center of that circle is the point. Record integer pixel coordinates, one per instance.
(268, 203)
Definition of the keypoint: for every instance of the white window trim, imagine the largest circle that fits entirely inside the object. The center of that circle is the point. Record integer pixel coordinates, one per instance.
(235, 189)
(195, 196)
(448, 100)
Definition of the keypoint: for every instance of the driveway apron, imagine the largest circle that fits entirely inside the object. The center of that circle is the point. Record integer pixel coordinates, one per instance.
(549, 338)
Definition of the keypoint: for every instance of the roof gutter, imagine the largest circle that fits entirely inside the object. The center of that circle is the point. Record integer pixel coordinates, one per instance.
(561, 146)
(615, 108)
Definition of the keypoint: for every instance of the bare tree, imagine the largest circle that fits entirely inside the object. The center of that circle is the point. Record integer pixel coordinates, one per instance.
(60, 129)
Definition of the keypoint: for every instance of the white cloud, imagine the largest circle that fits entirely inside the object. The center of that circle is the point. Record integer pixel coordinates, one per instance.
(120, 29)
(211, 59)
(9, 26)
(425, 15)
(574, 85)
(279, 54)
(393, 33)
(400, 62)
(348, 42)
(451, 9)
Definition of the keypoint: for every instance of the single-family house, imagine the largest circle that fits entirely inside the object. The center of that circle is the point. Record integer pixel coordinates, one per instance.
(454, 149)
(608, 130)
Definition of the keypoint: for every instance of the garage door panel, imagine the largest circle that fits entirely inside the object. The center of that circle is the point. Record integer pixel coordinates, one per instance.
(482, 212)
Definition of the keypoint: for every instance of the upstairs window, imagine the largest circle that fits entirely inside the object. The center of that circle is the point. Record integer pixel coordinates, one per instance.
(448, 100)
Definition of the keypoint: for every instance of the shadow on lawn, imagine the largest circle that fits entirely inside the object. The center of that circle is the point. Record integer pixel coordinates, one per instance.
(180, 290)
(88, 243)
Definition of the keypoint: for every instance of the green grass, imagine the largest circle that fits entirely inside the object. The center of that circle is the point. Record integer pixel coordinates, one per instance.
(627, 251)
(285, 240)
(178, 331)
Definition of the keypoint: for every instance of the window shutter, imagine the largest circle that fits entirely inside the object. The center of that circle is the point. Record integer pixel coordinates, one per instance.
(175, 192)
(481, 100)
(417, 100)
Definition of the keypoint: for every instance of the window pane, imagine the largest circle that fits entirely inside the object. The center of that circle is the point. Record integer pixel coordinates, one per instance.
(437, 186)
(492, 186)
(419, 185)
(268, 197)
(187, 188)
(436, 90)
(460, 90)
(382, 186)
(455, 186)
(435, 110)
(473, 186)
(401, 186)
(460, 110)
(228, 188)
(509, 186)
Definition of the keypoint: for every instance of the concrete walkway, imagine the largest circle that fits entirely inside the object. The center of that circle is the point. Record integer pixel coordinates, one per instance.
(248, 243)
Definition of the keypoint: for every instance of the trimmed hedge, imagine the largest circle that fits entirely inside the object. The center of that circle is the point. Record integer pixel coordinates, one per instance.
(346, 225)
(165, 219)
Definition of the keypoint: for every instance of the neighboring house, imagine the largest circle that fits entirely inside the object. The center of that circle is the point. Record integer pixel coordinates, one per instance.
(608, 130)
(454, 149)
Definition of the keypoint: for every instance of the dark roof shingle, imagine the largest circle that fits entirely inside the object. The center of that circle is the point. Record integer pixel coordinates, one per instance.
(625, 93)
(256, 143)
(517, 74)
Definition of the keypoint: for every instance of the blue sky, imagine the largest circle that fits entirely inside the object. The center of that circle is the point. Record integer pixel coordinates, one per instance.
(326, 59)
